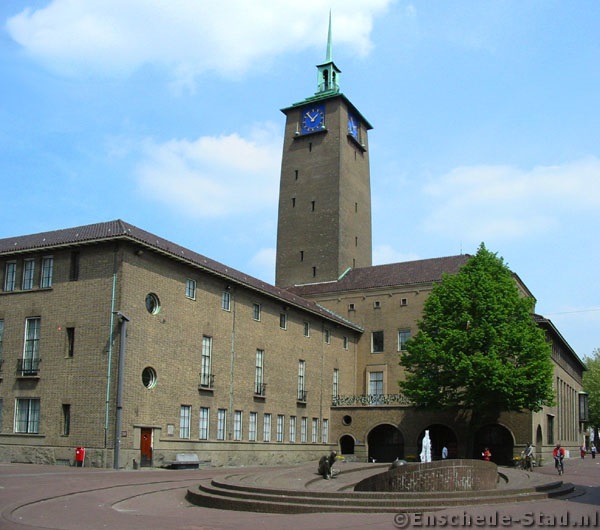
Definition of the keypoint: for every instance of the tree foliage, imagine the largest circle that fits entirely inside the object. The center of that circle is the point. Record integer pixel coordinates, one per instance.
(478, 348)
(591, 385)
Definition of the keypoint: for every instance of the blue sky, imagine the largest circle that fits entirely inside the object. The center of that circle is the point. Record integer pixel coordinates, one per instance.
(486, 120)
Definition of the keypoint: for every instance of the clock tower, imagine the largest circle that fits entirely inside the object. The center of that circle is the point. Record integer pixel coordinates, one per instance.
(324, 222)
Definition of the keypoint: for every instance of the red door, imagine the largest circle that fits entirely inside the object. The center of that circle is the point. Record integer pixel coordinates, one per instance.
(146, 447)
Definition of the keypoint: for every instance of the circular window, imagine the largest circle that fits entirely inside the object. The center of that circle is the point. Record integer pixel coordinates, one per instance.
(152, 304)
(347, 420)
(149, 377)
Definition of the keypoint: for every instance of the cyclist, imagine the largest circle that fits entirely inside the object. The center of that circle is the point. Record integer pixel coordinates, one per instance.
(559, 455)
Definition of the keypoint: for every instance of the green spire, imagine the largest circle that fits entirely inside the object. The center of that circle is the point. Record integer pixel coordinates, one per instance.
(328, 73)
(328, 55)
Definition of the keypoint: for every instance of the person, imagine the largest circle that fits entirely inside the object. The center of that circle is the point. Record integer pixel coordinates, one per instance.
(582, 451)
(594, 450)
(559, 455)
(529, 451)
(444, 453)
(487, 455)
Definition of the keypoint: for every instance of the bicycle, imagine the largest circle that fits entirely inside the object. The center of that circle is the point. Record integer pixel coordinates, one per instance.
(559, 465)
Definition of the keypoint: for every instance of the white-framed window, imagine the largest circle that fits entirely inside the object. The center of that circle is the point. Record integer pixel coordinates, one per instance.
(185, 415)
(190, 289)
(221, 424)
(259, 373)
(307, 329)
(376, 383)
(252, 426)
(280, 427)
(256, 310)
(325, 432)
(345, 342)
(47, 271)
(283, 320)
(31, 348)
(267, 427)
(301, 380)
(303, 429)
(28, 274)
(10, 276)
(292, 429)
(206, 362)
(237, 425)
(327, 336)
(315, 430)
(27, 415)
(204, 423)
(335, 387)
(226, 300)
(403, 338)
(377, 342)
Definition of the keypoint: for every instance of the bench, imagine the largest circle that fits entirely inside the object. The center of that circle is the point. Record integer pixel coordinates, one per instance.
(184, 461)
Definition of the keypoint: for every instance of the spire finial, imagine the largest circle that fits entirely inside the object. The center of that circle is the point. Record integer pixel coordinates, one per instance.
(328, 57)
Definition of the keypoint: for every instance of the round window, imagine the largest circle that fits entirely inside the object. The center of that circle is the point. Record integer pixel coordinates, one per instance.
(347, 420)
(152, 304)
(149, 377)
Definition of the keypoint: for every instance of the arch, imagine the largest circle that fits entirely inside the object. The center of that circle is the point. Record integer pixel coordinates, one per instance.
(441, 435)
(385, 443)
(499, 440)
(539, 439)
(347, 445)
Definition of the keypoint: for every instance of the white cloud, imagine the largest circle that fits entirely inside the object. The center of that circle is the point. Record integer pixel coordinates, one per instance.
(213, 176)
(188, 37)
(480, 202)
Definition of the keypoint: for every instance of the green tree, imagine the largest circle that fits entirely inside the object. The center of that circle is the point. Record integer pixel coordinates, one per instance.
(478, 349)
(591, 385)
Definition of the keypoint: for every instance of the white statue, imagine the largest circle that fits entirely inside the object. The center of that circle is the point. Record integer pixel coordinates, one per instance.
(426, 448)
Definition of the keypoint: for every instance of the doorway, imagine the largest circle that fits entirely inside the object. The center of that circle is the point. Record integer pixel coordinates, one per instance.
(146, 447)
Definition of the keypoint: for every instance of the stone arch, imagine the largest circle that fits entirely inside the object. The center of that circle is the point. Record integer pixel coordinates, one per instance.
(440, 435)
(499, 440)
(347, 444)
(539, 438)
(385, 443)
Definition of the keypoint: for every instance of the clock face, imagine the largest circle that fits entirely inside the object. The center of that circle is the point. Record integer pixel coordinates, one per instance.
(353, 126)
(313, 119)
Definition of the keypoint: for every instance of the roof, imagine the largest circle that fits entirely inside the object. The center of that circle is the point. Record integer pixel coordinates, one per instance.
(391, 275)
(120, 230)
(546, 323)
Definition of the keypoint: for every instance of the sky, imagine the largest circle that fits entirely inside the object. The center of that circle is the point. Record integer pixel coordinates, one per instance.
(486, 117)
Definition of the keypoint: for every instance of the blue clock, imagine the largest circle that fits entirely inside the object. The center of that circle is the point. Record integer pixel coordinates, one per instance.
(353, 126)
(313, 119)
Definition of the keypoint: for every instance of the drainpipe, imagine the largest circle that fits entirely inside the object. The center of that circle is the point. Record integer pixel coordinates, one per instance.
(124, 320)
(109, 360)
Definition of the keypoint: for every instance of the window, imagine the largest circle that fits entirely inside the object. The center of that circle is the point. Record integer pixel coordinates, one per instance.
(292, 429)
(377, 342)
(301, 381)
(149, 377)
(152, 304)
(293, 202)
(70, 342)
(327, 336)
(307, 329)
(206, 379)
(376, 383)
(283, 320)
(184, 421)
(351, 307)
(27, 415)
(302, 255)
(28, 274)
(237, 425)
(377, 304)
(345, 342)
(303, 429)
(403, 337)
(312, 206)
(204, 422)
(256, 311)
(31, 350)
(314, 272)
(267, 428)
(550, 429)
(336, 382)
(325, 432)
(47, 268)
(280, 427)
(221, 423)
(74, 267)
(259, 384)
(252, 426)
(66, 419)
(226, 300)
(10, 276)
(190, 289)
(315, 430)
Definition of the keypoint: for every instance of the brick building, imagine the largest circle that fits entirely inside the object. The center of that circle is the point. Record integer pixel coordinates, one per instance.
(116, 340)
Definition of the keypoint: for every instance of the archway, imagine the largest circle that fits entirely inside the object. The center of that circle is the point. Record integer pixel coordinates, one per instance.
(499, 440)
(386, 443)
(347, 445)
(440, 435)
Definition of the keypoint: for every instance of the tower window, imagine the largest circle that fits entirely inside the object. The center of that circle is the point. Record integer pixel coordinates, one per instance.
(356, 241)
(314, 272)
(293, 202)
(312, 206)
(309, 147)
(296, 174)
(302, 255)
(356, 207)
